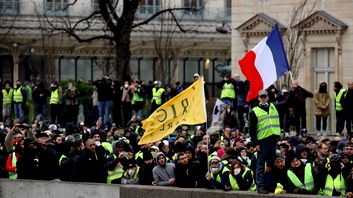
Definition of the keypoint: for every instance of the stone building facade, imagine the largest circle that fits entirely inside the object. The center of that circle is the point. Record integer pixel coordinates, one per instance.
(25, 50)
(326, 39)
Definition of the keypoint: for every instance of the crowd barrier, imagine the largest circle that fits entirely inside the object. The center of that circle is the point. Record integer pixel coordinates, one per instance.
(59, 189)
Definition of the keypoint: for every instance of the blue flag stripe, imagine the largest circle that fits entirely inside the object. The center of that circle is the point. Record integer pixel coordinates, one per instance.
(274, 42)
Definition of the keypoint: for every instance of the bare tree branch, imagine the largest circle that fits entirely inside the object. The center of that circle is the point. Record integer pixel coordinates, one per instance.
(161, 12)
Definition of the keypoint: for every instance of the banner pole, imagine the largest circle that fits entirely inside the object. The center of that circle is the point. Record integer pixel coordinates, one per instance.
(291, 76)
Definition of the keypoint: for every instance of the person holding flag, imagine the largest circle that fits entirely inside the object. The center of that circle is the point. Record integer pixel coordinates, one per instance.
(262, 66)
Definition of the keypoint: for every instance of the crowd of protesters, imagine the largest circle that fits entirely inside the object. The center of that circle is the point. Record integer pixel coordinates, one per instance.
(252, 147)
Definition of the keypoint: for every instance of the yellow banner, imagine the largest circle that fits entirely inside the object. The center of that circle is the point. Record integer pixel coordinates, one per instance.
(188, 107)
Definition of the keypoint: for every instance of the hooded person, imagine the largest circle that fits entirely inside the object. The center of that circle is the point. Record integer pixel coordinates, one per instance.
(240, 177)
(303, 153)
(335, 182)
(301, 177)
(163, 172)
(218, 174)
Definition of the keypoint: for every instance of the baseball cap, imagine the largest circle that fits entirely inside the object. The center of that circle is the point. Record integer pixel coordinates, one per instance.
(196, 75)
(263, 93)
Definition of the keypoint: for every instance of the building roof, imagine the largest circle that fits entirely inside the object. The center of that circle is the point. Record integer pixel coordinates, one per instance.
(321, 22)
(259, 24)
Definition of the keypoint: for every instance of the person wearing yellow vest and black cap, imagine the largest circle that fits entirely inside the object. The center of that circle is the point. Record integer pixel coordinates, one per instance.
(19, 99)
(335, 182)
(228, 90)
(218, 174)
(301, 177)
(55, 99)
(118, 161)
(241, 177)
(158, 96)
(7, 94)
(264, 131)
(339, 95)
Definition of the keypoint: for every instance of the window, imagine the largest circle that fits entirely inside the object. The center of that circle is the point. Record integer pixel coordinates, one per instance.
(149, 7)
(11, 7)
(196, 4)
(95, 5)
(228, 11)
(84, 69)
(56, 7)
(67, 68)
(324, 71)
(146, 70)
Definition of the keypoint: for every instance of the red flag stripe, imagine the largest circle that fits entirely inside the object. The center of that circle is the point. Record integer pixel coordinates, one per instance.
(247, 66)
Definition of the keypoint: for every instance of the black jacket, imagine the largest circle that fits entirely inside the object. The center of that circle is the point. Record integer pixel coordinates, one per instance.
(39, 164)
(91, 168)
(104, 89)
(145, 174)
(183, 176)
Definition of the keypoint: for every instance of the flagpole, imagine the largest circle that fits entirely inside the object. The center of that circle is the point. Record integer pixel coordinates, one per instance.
(204, 99)
(291, 76)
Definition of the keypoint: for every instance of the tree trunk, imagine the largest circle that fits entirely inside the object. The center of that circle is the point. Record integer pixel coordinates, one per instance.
(122, 35)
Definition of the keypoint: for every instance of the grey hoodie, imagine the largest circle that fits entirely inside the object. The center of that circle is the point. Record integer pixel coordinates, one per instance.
(162, 174)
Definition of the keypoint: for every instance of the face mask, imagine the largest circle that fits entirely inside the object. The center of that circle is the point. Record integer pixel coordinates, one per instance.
(126, 85)
(131, 172)
(237, 171)
(98, 143)
(263, 104)
(2, 126)
(214, 170)
(228, 110)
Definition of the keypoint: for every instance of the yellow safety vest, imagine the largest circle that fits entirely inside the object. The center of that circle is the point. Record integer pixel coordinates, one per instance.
(54, 97)
(308, 178)
(29, 93)
(107, 146)
(234, 183)
(61, 159)
(338, 184)
(116, 173)
(7, 96)
(136, 98)
(157, 95)
(338, 99)
(268, 123)
(218, 176)
(228, 91)
(13, 175)
(17, 95)
(139, 155)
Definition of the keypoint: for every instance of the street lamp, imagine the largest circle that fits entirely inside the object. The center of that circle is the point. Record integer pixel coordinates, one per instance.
(224, 29)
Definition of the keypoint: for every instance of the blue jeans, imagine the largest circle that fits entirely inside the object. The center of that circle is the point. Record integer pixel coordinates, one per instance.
(266, 154)
(19, 111)
(104, 108)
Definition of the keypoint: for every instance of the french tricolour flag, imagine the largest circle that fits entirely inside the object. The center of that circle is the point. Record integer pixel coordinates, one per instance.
(265, 63)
